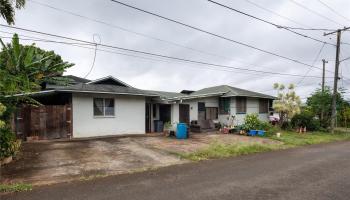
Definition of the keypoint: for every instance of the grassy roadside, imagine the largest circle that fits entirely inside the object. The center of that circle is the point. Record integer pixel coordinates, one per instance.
(289, 140)
(218, 150)
(292, 139)
(17, 187)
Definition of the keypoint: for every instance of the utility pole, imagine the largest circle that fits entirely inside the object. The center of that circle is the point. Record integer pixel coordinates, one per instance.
(336, 76)
(323, 73)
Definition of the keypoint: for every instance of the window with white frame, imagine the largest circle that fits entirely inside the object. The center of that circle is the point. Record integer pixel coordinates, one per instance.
(103, 107)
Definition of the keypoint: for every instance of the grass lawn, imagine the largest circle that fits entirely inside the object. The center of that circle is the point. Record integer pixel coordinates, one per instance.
(292, 139)
(288, 138)
(17, 187)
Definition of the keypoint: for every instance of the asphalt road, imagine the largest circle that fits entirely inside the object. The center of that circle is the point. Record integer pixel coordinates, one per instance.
(313, 172)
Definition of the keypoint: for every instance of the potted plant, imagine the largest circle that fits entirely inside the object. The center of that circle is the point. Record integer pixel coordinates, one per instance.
(167, 128)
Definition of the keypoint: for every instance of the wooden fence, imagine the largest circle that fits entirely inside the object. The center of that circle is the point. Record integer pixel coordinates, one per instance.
(44, 122)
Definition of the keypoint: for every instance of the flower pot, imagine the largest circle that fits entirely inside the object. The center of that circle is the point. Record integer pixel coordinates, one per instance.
(6, 160)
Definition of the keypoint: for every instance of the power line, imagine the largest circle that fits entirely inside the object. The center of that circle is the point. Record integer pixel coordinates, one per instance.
(333, 10)
(140, 34)
(275, 13)
(215, 35)
(133, 32)
(36, 39)
(305, 84)
(289, 19)
(140, 57)
(158, 55)
(313, 63)
(107, 51)
(314, 12)
(268, 22)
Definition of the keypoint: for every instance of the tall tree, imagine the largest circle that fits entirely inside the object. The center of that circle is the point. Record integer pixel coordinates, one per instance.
(320, 104)
(8, 7)
(288, 103)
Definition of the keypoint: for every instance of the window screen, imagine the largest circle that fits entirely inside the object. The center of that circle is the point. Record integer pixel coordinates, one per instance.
(224, 105)
(263, 106)
(241, 105)
(103, 107)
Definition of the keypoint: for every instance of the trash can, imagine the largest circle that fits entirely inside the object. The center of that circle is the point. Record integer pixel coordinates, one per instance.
(261, 133)
(181, 131)
(252, 132)
(158, 126)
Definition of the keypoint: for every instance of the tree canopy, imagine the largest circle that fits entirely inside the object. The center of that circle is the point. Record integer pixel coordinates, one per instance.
(8, 7)
(25, 67)
(320, 104)
(288, 103)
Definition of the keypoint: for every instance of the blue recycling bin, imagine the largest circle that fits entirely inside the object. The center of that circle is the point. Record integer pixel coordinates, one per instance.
(181, 131)
(252, 132)
(261, 133)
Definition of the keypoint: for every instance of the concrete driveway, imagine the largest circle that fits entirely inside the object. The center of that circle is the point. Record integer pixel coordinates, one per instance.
(60, 161)
(317, 172)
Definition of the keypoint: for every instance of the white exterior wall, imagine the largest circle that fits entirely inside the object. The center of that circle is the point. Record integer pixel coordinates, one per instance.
(209, 102)
(252, 107)
(175, 113)
(129, 116)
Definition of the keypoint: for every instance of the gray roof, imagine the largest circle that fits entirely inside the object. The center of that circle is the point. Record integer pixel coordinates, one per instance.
(81, 85)
(76, 79)
(167, 95)
(227, 91)
(103, 88)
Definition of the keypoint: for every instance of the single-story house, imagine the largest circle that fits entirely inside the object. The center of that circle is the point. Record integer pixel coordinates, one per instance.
(108, 106)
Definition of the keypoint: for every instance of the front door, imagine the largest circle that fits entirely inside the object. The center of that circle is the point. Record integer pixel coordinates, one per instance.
(184, 113)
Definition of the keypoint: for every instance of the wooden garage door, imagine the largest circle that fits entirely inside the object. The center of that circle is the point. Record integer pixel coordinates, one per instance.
(184, 113)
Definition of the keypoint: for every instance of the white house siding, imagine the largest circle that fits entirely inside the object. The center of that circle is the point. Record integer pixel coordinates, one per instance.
(174, 113)
(129, 116)
(209, 102)
(252, 107)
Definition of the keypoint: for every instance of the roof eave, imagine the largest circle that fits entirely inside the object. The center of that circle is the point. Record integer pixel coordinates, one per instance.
(101, 92)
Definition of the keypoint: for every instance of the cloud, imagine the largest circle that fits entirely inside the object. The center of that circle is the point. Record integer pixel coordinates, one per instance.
(175, 76)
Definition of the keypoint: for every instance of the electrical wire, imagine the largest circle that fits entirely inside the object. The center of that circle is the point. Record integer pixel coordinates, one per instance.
(315, 13)
(313, 63)
(333, 10)
(134, 32)
(95, 53)
(160, 55)
(275, 13)
(267, 22)
(215, 35)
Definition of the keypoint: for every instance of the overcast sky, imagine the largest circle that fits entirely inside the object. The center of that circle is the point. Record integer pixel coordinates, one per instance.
(135, 30)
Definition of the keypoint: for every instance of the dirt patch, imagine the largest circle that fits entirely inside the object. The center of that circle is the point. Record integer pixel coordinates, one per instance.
(53, 162)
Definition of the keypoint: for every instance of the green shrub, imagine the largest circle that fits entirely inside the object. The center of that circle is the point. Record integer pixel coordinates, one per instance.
(306, 119)
(17, 187)
(8, 143)
(252, 122)
(286, 125)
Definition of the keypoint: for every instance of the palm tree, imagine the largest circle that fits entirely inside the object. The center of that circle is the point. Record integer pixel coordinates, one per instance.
(7, 9)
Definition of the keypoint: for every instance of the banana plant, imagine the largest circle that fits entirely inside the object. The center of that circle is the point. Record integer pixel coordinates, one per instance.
(24, 68)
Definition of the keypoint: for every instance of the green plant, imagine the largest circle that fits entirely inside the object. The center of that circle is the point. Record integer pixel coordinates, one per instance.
(287, 104)
(252, 122)
(219, 150)
(306, 119)
(26, 68)
(9, 146)
(7, 9)
(2, 110)
(168, 125)
(17, 187)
